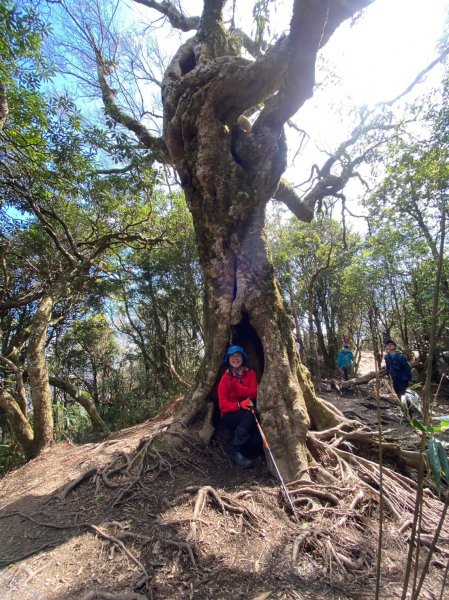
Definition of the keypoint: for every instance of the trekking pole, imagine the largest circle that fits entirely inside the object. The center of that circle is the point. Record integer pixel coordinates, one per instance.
(283, 486)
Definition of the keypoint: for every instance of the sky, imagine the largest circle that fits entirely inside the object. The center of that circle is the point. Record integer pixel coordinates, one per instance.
(383, 52)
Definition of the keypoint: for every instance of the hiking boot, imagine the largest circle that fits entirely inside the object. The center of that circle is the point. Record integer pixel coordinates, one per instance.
(241, 460)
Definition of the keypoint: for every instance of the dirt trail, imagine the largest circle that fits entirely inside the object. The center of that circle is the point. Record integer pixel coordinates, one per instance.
(155, 537)
(366, 362)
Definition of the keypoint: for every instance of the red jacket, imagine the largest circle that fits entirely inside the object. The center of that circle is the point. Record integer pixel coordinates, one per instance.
(231, 391)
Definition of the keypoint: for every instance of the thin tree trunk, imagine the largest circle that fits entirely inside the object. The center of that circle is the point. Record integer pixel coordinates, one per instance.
(20, 386)
(84, 399)
(300, 341)
(96, 393)
(373, 315)
(320, 339)
(38, 376)
(19, 423)
(314, 357)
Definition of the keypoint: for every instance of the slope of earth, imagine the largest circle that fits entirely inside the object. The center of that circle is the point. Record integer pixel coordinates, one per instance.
(118, 520)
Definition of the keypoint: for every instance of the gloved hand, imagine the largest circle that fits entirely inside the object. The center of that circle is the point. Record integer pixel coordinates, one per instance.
(246, 404)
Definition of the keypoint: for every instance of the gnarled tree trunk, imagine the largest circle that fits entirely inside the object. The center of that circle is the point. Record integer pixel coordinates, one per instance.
(239, 283)
(228, 177)
(17, 421)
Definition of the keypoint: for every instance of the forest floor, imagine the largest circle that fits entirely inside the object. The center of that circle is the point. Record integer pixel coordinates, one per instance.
(197, 527)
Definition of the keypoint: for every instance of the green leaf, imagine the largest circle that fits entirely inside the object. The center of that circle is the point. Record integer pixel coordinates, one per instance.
(418, 425)
(444, 422)
(434, 461)
(443, 459)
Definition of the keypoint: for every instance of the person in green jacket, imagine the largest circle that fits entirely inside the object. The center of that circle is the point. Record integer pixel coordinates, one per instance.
(344, 360)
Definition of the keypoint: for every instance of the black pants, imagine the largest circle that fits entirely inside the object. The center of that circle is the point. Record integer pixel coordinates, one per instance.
(399, 387)
(345, 373)
(245, 435)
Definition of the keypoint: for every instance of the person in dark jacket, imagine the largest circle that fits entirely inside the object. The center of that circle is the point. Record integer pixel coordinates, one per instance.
(344, 360)
(237, 393)
(398, 368)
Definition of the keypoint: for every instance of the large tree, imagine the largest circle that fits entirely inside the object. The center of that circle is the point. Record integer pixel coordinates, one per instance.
(229, 170)
(225, 100)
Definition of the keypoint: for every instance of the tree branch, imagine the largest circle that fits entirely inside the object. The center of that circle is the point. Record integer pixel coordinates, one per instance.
(121, 237)
(48, 228)
(20, 387)
(156, 145)
(286, 194)
(418, 78)
(249, 44)
(66, 229)
(82, 398)
(175, 16)
(22, 300)
(212, 18)
(330, 184)
(312, 24)
(252, 82)
(17, 420)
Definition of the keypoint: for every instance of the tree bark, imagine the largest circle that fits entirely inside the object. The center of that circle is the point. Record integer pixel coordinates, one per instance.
(239, 280)
(314, 359)
(21, 398)
(22, 429)
(38, 376)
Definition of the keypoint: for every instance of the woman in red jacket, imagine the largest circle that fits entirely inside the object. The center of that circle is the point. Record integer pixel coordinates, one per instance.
(237, 393)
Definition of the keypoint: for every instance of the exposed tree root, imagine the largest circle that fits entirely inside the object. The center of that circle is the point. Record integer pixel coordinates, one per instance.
(338, 549)
(103, 534)
(339, 484)
(345, 489)
(337, 501)
(358, 487)
(363, 436)
(120, 544)
(153, 457)
(224, 502)
(99, 595)
(427, 540)
(4, 562)
(74, 484)
(186, 547)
